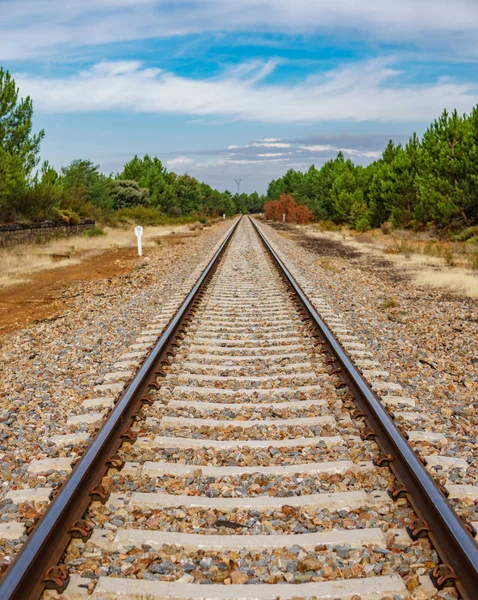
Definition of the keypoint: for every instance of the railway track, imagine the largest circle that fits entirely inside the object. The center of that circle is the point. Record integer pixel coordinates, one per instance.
(248, 458)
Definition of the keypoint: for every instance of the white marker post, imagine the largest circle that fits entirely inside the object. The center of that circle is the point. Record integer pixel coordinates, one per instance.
(223, 216)
(138, 230)
(283, 217)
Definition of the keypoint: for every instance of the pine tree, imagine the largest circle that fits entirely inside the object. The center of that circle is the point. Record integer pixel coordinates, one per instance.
(445, 187)
(19, 148)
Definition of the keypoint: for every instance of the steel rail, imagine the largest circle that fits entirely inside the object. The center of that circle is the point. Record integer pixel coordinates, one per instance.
(24, 580)
(453, 543)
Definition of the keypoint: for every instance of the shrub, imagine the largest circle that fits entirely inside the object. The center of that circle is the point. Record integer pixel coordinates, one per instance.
(66, 215)
(75, 200)
(466, 234)
(386, 227)
(36, 203)
(449, 257)
(286, 204)
(195, 226)
(328, 225)
(363, 224)
(128, 194)
(93, 232)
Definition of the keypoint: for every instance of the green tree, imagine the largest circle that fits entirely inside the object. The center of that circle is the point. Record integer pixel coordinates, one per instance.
(471, 210)
(446, 190)
(19, 148)
(275, 189)
(86, 175)
(188, 195)
(151, 174)
(347, 196)
(312, 192)
(381, 184)
(322, 185)
(401, 197)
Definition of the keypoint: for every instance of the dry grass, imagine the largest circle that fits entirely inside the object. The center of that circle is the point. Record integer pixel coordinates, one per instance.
(448, 265)
(364, 238)
(20, 263)
(459, 280)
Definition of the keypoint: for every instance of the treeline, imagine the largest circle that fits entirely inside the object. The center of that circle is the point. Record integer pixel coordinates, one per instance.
(144, 190)
(428, 181)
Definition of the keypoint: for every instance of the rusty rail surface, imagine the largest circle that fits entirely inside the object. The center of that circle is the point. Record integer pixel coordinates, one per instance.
(451, 539)
(35, 567)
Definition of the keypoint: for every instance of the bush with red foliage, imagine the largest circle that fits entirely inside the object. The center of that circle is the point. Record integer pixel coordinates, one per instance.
(294, 213)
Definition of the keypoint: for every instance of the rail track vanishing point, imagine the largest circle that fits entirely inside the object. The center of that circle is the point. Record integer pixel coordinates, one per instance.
(247, 449)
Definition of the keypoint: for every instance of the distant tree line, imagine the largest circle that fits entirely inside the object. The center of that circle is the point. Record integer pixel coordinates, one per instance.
(144, 189)
(429, 180)
(432, 180)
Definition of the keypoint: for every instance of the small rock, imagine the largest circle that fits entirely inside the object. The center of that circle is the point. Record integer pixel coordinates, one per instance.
(237, 577)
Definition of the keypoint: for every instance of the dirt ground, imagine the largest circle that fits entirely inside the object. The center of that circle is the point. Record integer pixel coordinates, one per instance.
(49, 294)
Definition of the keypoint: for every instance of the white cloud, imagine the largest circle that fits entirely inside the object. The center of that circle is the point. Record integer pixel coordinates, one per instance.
(180, 160)
(31, 27)
(349, 151)
(365, 153)
(358, 92)
(274, 154)
(265, 143)
(317, 148)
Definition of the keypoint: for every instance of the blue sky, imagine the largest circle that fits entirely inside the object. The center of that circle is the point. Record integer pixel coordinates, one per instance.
(227, 89)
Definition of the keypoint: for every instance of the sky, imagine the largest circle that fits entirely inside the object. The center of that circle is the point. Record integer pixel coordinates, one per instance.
(237, 89)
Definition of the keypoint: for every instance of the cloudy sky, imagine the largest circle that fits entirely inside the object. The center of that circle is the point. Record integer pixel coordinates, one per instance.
(227, 89)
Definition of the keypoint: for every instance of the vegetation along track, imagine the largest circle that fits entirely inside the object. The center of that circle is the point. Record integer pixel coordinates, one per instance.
(249, 450)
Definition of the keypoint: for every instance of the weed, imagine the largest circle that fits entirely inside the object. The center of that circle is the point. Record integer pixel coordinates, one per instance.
(327, 265)
(392, 302)
(328, 226)
(461, 248)
(449, 257)
(474, 261)
(429, 249)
